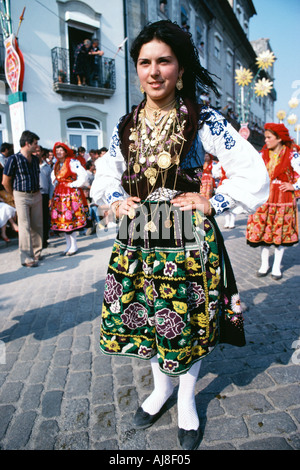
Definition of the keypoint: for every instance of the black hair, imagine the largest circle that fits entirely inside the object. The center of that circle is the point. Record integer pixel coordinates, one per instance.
(182, 45)
(6, 146)
(29, 137)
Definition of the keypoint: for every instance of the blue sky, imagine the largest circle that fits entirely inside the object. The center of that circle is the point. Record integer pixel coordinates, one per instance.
(279, 20)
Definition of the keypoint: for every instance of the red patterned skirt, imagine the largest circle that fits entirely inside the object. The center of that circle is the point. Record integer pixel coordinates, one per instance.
(69, 209)
(276, 221)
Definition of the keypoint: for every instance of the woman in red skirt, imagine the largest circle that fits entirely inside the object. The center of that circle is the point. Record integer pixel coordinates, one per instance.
(69, 208)
(275, 222)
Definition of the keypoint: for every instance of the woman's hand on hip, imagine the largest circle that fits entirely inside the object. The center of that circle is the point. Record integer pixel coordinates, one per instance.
(123, 207)
(189, 201)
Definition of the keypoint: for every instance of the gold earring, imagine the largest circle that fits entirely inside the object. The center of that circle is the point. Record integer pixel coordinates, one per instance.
(142, 89)
(179, 84)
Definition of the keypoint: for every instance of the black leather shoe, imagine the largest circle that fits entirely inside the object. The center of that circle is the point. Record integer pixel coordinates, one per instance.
(189, 440)
(143, 420)
(259, 274)
(276, 277)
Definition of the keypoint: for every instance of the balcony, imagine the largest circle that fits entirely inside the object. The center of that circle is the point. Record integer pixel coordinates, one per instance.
(64, 81)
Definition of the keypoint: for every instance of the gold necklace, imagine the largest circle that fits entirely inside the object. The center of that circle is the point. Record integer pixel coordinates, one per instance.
(153, 150)
(157, 111)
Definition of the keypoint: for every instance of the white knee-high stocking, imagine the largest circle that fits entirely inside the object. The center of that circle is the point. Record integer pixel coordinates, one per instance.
(265, 253)
(163, 389)
(68, 242)
(73, 238)
(278, 254)
(186, 404)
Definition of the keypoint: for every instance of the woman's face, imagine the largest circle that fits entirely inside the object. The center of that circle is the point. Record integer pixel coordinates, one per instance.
(158, 70)
(271, 140)
(60, 153)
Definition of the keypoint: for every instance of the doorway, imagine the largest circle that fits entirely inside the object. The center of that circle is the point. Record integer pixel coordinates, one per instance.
(76, 36)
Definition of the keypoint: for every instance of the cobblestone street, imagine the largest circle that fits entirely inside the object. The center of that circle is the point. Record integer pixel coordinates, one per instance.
(57, 391)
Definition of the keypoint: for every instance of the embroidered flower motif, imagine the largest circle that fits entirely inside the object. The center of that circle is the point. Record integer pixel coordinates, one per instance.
(114, 143)
(195, 295)
(135, 316)
(112, 345)
(150, 292)
(170, 268)
(167, 291)
(115, 307)
(168, 324)
(212, 308)
(54, 214)
(122, 263)
(113, 289)
(144, 351)
(139, 281)
(75, 205)
(229, 141)
(68, 215)
(191, 264)
(169, 365)
(216, 127)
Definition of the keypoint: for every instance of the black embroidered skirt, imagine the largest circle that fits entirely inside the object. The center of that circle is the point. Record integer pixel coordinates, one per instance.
(169, 291)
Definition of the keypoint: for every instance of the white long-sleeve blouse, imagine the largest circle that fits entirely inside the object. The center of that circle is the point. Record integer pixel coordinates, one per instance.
(244, 190)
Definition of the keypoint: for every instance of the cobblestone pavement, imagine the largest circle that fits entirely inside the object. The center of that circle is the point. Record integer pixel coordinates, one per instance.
(57, 391)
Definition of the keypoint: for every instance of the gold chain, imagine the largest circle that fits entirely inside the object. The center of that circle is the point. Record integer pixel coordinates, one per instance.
(153, 153)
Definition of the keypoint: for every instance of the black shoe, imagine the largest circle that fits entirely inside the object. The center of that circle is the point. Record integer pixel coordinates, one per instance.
(143, 420)
(189, 440)
(259, 274)
(274, 276)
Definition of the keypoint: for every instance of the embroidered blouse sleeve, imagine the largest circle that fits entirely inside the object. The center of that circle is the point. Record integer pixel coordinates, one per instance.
(247, 184)
(81, 173)
(106, 187)
(296, 167)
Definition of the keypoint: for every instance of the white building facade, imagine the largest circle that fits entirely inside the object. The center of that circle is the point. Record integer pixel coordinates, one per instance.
(56, 107)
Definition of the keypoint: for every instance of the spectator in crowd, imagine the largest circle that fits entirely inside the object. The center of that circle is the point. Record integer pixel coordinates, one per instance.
(7, 214)
(46, 188)
(69, 208)
(102, 151)
(82, 62)
(50, 158)
(95, 54)
(21, 178)
(5, 151)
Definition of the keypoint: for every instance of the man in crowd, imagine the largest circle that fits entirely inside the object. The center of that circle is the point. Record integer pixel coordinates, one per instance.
(21, 179)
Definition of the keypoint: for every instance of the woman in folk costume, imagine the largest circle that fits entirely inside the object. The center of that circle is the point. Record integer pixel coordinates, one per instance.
(69, 207)
(165, 298)
(207, 180)
(219, 174)
(276, 221)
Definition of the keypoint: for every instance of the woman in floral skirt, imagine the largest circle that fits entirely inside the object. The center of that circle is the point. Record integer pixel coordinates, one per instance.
(276, 221)
(168, 297)
(69, 207)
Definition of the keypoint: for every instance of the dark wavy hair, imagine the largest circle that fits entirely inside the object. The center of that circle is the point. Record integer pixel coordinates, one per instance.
(182, 45)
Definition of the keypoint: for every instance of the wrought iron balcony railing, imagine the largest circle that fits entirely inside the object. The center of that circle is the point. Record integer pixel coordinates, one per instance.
(103, 81)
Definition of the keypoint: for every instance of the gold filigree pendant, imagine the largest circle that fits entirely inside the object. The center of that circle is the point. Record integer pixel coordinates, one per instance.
(164, 160)
(150, 226)
(168, 223)
(136, 168)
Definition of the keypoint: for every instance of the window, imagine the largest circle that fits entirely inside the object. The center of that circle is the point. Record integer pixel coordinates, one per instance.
(163, 6)
(84, 132)
(217, 46)
(184, 18)
(229, 60)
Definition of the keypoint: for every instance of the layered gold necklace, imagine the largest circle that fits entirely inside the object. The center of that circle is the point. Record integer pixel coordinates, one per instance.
(152, 152)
